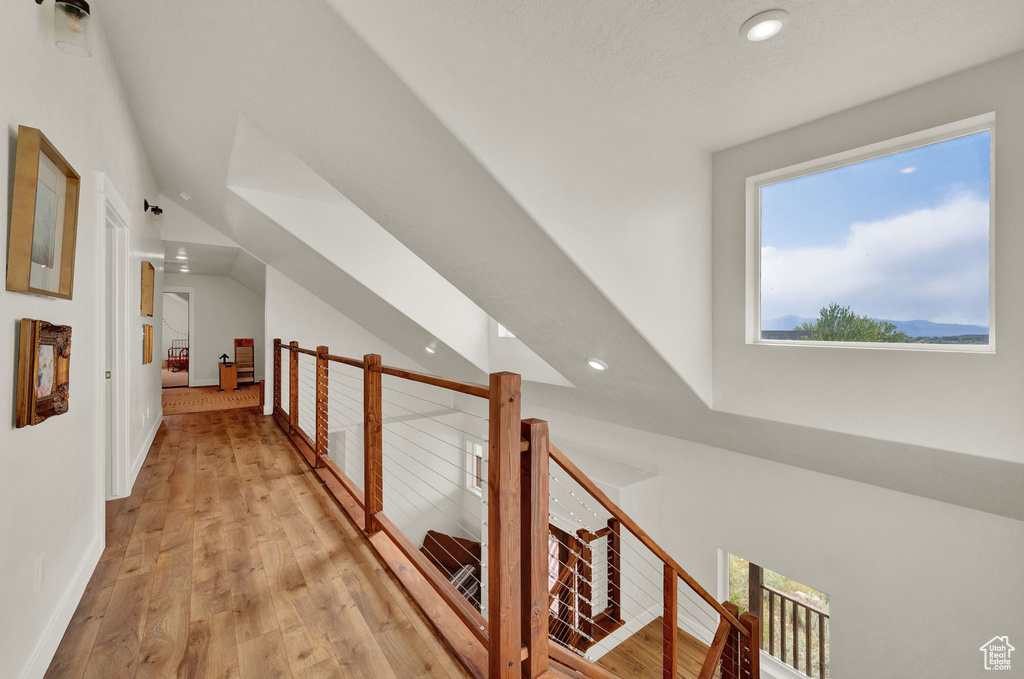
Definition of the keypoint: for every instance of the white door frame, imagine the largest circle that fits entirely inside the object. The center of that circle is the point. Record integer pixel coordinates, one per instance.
(114, 215)
(191, 292)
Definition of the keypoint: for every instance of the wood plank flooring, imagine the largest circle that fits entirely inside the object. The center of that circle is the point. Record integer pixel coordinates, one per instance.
(181, 400)
(229, 561)
(641, 655)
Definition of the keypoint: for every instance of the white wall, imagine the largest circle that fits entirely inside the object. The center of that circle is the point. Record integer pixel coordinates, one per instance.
(223, 310)
(916, 585)
(963, 402)
(51, 475)
(175, 323)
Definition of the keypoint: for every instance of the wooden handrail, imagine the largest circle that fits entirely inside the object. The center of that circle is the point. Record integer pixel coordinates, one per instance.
(354, 362)
(478, 390)
(581, 478)
(707, 671)
(516, 541)
(769, 588)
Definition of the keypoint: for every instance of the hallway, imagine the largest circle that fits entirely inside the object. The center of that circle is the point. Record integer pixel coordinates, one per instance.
(229, 561)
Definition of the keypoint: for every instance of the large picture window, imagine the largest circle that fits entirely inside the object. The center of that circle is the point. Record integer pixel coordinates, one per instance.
(889, 246)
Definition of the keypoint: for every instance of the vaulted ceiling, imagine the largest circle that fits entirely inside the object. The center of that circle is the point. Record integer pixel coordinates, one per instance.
(549, 161)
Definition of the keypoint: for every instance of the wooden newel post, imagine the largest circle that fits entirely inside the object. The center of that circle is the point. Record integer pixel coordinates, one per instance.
(322, 372)
(534, 542)
(669, 624)
(731, 652)
(293, 387)
(750, 647)
(277, 376)
(754, 594)
(373, 441)
(503, 522)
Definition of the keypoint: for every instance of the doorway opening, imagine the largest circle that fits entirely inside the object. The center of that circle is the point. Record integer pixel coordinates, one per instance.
(176, 336)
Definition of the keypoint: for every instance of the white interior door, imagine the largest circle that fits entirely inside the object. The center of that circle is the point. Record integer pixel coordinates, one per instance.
(115, 216)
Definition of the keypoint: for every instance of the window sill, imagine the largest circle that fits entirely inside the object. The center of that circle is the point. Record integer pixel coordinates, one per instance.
(885, 346)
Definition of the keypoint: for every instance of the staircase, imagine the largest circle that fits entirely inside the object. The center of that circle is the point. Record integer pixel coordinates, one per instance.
(524, 566)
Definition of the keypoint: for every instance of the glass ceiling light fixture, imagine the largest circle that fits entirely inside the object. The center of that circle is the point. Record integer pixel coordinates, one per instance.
(764, 25)
(71, 26)
(597, 364)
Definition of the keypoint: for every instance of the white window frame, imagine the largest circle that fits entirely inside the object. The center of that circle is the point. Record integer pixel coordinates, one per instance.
(962, 128)
(474, 454)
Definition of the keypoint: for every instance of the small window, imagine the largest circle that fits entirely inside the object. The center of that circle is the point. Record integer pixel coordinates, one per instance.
(503, 331)
(885, 247)
(794, 617)
(475, 467)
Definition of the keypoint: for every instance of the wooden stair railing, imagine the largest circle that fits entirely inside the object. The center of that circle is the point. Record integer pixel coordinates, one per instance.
(513, 641)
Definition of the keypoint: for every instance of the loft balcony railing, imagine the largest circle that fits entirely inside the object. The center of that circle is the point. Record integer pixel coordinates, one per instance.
(526, 570)
(792, 625)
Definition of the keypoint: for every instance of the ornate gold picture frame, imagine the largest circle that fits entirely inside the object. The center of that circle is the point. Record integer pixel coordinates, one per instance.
(43, 371)
(44, 219)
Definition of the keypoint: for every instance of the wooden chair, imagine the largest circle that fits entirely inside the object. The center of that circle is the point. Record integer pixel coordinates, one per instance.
(245, 360)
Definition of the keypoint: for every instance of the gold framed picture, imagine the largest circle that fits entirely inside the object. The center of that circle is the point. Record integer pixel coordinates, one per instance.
(43, 372)
(148, 287)
(44, 219)
(147, 344)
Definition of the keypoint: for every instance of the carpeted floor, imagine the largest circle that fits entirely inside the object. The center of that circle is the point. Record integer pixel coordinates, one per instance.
(202, 399)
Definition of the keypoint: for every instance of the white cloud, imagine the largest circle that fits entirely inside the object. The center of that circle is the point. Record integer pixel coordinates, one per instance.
(929, 264)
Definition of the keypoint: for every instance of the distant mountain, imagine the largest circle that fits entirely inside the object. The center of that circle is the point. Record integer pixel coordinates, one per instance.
(929, 329)
(912, 328)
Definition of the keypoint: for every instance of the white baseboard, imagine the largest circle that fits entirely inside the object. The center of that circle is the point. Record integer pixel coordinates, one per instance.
(142, 452)
(206, 382)
(43, 653)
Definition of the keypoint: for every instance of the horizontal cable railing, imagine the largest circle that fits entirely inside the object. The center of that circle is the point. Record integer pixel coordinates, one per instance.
(518, 562)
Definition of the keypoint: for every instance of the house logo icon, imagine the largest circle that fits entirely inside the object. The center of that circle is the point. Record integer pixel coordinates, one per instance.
(997, 653)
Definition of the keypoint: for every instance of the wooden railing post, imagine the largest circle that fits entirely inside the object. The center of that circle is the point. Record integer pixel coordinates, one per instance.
(534, 530)
(277, 375)
(731, 654)
(754, 593)
(293, 387)
(585, 571)
(750, 645)
(615, 569)
(504, 583)
(373, 441)
(669, 623)
(322, 372)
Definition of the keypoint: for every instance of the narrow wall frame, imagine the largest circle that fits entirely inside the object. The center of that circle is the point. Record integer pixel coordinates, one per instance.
(44, 219)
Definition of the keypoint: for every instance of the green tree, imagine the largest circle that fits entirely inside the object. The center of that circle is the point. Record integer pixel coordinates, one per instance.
(839, 324)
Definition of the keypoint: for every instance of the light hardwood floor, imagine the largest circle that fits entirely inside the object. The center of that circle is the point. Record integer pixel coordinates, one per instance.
(641, 655)
(229, 561)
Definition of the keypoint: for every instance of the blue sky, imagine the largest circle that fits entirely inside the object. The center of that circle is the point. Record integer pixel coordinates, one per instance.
(903, 237)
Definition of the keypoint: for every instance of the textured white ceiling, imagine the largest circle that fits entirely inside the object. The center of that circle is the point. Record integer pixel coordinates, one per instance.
(682, 66)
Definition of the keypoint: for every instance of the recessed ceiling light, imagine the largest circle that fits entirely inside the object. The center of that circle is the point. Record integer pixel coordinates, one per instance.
(764, 25)
(597, 364)
(184, 196)
(181, 257)
(908, 170)
(431, 350)
(184, 269)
